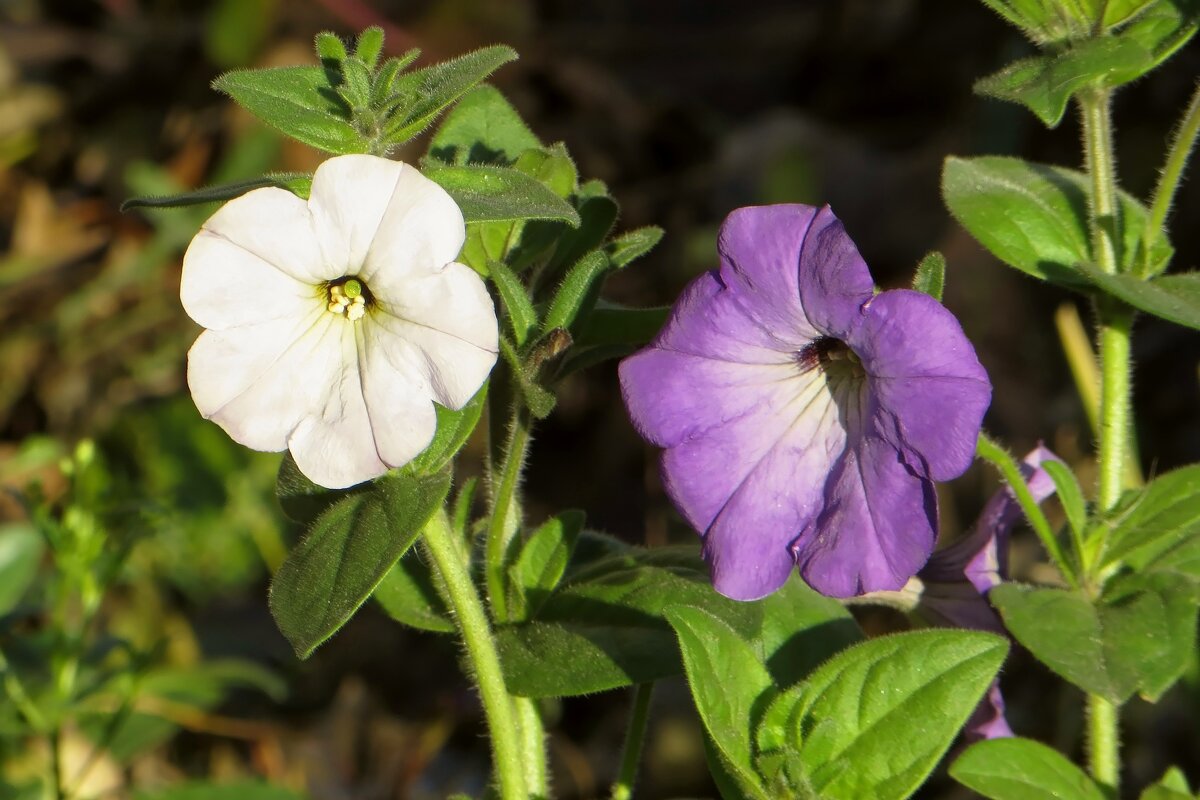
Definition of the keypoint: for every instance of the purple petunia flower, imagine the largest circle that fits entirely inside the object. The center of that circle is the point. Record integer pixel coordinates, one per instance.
(804, 418)
(957, 579)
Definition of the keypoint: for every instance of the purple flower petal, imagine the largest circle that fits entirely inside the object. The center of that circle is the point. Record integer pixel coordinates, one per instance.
(761, 260)
(878, 526)
(779, 447)
(987, 720)
(931, 388)
(834, 280)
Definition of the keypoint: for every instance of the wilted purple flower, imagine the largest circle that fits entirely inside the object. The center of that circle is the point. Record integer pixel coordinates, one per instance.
(804, 418)
(958, 577)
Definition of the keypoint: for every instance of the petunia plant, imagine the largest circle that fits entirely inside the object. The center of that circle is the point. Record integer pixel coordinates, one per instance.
(370, 317)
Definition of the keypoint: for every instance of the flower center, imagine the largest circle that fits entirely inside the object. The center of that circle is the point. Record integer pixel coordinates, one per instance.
(348, 297)
(832, 356)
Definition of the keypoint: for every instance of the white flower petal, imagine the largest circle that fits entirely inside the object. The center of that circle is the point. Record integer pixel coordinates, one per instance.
(398, 394)
(349, 197)
(276, 226)
(225, 286)
(259, 382)
(421, 231)
(453, 301)
(335, 446)
(449, 317)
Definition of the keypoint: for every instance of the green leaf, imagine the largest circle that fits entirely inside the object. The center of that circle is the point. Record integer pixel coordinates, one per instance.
(1022, 769)
(552, 166)
(632, 245)
(1162, 29)
(597, 214)
(1039, 20)
(369, 46)
(1117, 12)
(1175, 298)
(1070, 494)
(1173, 785)
(483, 128)
(301, 499)
(801, 629)
(522, 318)
(409, 595)
(297, 101)
(931, 275)
(1162, 516)
(298, 183)
(712, 653)
(500, 194)
(453, 430)
(610, 324)
(330, 48)
(21, 549)
(875, 719)
(1151, 619)
(1034, 217)
(345, 555)
(581, 284)
(1135, 637)
(541, 563)
(428, 91)
(1046, 83)
(603, 627)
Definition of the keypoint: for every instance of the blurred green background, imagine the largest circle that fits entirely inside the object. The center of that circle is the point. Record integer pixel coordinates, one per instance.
(687, 110)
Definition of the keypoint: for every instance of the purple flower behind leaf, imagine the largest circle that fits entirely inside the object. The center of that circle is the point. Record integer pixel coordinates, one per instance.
(803, 417)
(958, 577)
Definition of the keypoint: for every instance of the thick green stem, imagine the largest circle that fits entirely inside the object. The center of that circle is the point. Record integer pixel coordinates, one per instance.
(1168, 180)
(505, 519)
(533, 746)
(1010, 470)
(476, 633)
(631, 756)
(1103, 746)
(1115, 323)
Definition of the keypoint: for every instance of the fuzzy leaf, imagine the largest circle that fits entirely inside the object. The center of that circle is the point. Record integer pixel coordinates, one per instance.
(298, 183)
(1157, 520)
(1135, 637)
(483, 128)
(409, 595)
(712, 653)
(873, 721)
(1022, 769)
(1034, 217)
(1175, 297)
(1046, 83)
(522, 317)
(581, 284)
(297, 101)
(453, 430)
(931, 275)
(347, 552)
(427, 92)
(500, 194)
(541, 563)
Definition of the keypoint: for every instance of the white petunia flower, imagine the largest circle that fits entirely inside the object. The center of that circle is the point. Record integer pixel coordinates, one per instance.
(335, 323)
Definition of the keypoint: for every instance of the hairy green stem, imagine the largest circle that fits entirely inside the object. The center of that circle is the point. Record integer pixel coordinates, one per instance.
(631, 755)
(1115, 328)
(1010, 470)
(505, 518)
(1182, 144)
(476, 632)
(533, 746)
(1103, 744)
